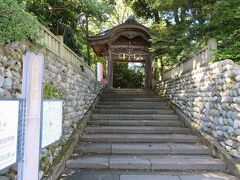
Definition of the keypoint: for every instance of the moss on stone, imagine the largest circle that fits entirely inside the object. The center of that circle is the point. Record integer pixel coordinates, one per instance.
(61, 155)
(228, 85)
(52, 148)
(45, 162)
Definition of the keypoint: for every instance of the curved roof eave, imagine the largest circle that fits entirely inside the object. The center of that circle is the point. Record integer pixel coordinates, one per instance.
(121, 27)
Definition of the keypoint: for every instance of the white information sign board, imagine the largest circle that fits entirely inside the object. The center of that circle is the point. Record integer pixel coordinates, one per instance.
(51, 122)
(99, 71)
(9, 114)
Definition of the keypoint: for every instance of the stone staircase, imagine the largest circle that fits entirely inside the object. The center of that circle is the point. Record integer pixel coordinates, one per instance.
(133, 129)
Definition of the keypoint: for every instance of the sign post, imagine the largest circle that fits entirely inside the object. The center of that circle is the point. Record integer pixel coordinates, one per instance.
(33, 68)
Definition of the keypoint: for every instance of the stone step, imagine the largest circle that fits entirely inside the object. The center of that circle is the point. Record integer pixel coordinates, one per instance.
(132, 94)
(110, 95)
(133, 129)
(180, 176)
(137, 130)
(143, 149)
(136, 123)
(142, 103)
(173, 163)
(140, 138)
(132, 99)
(132, 117)
(129, 96)
(132, 111)
(134, 107)
(128, 91)
(107, 96)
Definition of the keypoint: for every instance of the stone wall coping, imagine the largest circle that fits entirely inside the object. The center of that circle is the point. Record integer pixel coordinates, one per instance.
(199, 59)
(61, 60)
(55, 44)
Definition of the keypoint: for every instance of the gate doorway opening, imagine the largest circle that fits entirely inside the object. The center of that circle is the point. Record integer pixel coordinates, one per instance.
(128, 75)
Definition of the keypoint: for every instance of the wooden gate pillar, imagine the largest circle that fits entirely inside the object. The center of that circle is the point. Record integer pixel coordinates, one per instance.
(148, 73)
(109, 69)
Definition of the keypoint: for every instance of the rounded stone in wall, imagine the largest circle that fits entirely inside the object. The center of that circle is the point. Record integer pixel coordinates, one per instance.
(2, 71)
(236, 99)
(237, 132)
(7, 94)
(226, 135)
(1, 92)
(220, 121)
(59, 78)
(4, 60)
(8, 73)
(236, 124)
(237, 78)
(1, 81)
(235, 153)
(16, 65)
(8, 83)
(230, 130)
(219, 133)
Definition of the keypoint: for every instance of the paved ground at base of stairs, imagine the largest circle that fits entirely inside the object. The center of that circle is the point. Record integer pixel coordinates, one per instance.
(100, 175)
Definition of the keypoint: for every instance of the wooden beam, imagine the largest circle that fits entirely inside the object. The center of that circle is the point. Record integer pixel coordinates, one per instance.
(148, 73)
(126, 61)
(130, 47)
(110, 69)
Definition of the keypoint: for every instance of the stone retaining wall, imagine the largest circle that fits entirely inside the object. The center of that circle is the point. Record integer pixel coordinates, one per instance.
(11, 69)
(80, 90)
(210, 96)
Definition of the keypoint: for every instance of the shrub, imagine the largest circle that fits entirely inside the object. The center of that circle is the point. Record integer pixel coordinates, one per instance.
(50, 91)
(15, 23)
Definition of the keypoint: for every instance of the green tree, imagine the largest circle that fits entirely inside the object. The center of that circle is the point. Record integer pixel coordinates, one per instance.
(125, 77)
(70, 19)
(224, 25)
(15, 23)
(182, 27)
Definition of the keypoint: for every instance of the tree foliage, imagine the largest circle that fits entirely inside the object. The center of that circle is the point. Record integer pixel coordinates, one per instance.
(125, 77)
(182, 26)
(68, 18)
(225, 26)
(15, 23)
(119, 15)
